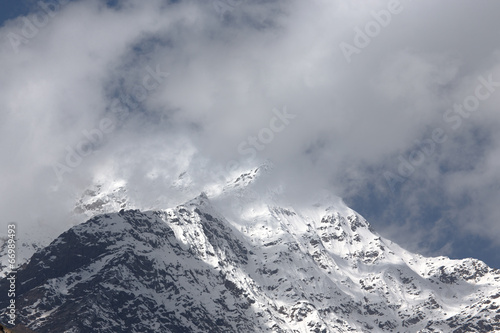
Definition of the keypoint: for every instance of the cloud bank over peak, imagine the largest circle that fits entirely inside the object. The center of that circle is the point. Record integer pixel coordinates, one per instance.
(148, 90)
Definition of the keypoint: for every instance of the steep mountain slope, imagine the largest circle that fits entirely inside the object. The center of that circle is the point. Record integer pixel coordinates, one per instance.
(242, 262)
(104, 195)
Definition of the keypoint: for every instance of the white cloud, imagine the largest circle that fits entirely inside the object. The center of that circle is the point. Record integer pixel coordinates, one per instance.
(225, 76)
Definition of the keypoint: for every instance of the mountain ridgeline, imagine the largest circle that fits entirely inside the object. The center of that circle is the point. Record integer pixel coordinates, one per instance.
(235, 263)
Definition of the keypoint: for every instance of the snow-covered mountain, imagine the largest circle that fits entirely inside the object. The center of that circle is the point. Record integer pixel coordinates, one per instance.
(237, 260)
(104, 195)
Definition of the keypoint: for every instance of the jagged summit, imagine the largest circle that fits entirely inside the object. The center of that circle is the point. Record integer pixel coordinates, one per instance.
(103, 197)
(110, 195)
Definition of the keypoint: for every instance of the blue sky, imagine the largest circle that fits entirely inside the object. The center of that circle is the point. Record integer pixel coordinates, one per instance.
(396, 106)
(13, 9)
